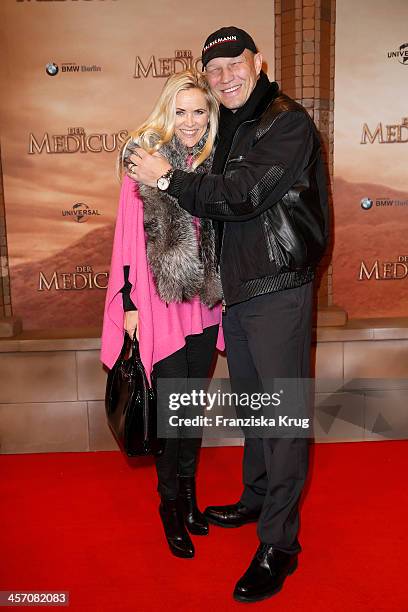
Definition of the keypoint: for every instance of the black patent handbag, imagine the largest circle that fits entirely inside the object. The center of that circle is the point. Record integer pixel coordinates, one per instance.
(131, 405)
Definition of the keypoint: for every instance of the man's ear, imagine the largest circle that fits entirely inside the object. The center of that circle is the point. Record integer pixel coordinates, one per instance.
(258, 59)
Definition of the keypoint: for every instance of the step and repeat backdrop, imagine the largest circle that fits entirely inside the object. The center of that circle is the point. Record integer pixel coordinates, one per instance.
(76, 77)
(370, 264)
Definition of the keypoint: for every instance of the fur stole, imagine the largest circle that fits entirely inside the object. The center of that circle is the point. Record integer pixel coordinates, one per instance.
(182, 266)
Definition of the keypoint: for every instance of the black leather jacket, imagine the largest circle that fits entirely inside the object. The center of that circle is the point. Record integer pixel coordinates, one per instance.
(272, 198)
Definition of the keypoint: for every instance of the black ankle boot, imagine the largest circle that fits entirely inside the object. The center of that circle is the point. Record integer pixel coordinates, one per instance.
(194, 520)
(177, 537)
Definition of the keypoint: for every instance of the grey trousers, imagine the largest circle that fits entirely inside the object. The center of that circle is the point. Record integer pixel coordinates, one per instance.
(268, 337)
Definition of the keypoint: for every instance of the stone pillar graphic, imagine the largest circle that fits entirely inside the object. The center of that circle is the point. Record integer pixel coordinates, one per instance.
(9, 325)
(304, 68)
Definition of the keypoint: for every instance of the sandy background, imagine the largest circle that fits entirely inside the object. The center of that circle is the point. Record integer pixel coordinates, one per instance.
(369, 88)
(37, 187)
(369, 235)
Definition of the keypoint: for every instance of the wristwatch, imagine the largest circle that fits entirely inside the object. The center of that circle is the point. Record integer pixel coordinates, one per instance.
(164, 181)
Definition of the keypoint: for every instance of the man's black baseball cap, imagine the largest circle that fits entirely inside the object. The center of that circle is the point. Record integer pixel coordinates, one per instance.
(227, 42)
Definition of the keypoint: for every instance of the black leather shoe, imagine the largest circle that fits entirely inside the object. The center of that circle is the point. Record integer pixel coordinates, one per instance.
(194, 520)
(266, 574)
(234, 515)
(178, 539)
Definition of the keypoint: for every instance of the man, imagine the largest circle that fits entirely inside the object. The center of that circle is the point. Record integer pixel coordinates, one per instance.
(268, 187)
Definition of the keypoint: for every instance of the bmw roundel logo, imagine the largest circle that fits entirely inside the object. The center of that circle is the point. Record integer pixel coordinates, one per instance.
(366, 203)
(51, 69)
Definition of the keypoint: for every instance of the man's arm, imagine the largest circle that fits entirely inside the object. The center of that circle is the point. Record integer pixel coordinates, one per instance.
(270, 169)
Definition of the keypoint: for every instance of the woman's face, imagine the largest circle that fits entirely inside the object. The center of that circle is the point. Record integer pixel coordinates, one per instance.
(192, 116)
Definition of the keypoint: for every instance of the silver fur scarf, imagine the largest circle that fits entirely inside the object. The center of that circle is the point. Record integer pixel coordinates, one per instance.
(181, 267)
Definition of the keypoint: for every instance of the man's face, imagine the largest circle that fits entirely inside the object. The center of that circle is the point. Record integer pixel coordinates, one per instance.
(233, 79)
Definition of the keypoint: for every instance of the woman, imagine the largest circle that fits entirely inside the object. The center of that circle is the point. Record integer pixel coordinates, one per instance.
(164, 284)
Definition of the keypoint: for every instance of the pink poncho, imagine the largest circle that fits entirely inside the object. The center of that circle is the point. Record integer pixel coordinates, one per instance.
(162, 328)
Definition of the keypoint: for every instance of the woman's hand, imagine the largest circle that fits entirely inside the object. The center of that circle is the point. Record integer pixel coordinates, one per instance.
(131, 323)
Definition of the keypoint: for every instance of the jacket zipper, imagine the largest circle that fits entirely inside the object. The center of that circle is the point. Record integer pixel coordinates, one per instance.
(239, 127)
(266, 226)
(224, 305)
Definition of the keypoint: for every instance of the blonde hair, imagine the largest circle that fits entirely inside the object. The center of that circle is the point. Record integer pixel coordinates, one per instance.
(158, 129)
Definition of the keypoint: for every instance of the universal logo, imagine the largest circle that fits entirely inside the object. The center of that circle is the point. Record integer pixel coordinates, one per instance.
(53, 69)
(80, 212)
(401, 54)
(368, 203)
(163, 67)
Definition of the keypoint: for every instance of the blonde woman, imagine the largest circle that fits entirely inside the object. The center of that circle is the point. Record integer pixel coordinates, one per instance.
(164, 283)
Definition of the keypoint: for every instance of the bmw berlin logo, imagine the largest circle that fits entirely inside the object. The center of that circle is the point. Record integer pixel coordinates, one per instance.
(366, 203)
(51, 69)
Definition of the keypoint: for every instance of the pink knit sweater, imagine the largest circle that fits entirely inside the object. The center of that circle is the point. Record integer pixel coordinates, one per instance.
(162, 328)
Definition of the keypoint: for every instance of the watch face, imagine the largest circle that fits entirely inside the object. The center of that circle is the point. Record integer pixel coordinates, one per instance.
(163, 183)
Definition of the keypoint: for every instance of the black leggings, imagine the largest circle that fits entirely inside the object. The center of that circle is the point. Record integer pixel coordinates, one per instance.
(180, 455)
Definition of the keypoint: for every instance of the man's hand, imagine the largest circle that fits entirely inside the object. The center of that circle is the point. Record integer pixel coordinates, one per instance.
(146, 168)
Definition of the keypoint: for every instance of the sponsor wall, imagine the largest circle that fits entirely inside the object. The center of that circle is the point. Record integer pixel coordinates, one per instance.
(76, 76)
(370, 263)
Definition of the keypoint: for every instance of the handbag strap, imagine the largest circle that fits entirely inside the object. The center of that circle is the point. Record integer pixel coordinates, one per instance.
(135, 346)
(130, 342)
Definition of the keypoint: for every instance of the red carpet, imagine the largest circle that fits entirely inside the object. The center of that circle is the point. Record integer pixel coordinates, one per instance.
(87, 523)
